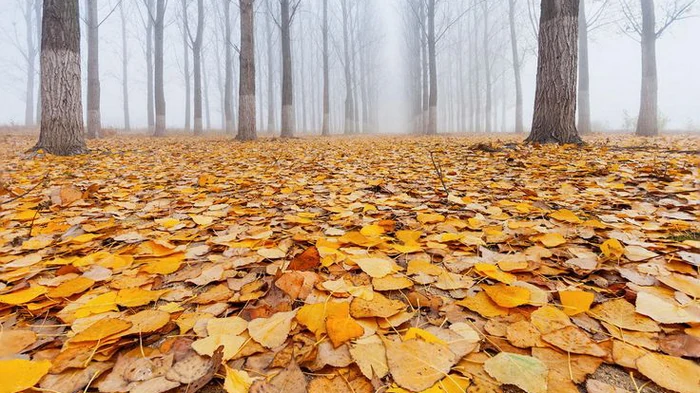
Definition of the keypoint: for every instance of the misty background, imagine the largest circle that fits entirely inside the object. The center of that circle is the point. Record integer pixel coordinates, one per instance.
(615, 66)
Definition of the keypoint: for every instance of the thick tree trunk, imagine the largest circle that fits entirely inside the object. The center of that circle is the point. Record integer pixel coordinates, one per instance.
(228, 64)
(487, 71)
(62, 108)
(125, 70)
(554, 119)
(93, 72)
(326, 78)
(432, 114)
(246, 100)
(647, 122)
(584, 94)
(31, 63)
(159, 26)
(516, 68)
(150, 100)
(186, 71)
(349, 127)
(271, 118)
(288, 125)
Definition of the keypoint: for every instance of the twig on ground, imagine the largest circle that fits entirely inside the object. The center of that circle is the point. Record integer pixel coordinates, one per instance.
(438, 170)
(43, 180)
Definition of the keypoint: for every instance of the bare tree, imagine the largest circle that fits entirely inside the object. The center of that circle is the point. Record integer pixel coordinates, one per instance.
(125, 69)
(196, 42)
(62, 107)
(554, 119)
(29, 53)
(93, 71)
(516, 68)
(246, 100)
(150, 93)
(347, 64)
(228, 64)
(326, 71)
(647, 32)
(271, 118)
(288, 9)
(186, 67)
(158, 27)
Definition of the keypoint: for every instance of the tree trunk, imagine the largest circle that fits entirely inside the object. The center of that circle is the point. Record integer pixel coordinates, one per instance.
(159, 26)
(584, 94)
(93, 71)
(302, 81)
(647, 122)
(326, 77)
(205, 93)
(125, 70)
(62, 108)
(516, 68)
(432, 115)
(186, 73)
(149, 65)
(349, 127)
(31, 63)
(288, 125)
(37, 12)
(477, 75)
(271, 118)
(487, 71)
(228, 64)
(554, 119)
(246, 100)
(197, 64)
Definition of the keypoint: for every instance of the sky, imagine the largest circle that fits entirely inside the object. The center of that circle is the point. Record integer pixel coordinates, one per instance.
(614, 63)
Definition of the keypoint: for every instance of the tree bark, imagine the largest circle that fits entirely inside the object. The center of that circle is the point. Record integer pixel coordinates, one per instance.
(326, 77)
(487, 71)
(186, 72)
(93, 71)
(197, 65)
(246, 101)
(159, 26)
(584, 94)
(288, 125)
(125, 70)
(647, 121)
(228, 64)
(554, 119)
(516, 68)
(271, 118)
(150, 100)
(62, 108)
(432, 114)
(349, 127)
(205, 93)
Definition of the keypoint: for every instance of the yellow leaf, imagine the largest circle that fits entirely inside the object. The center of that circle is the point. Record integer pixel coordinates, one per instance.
(566, 216)
(205, 180)
(82, 239)
(670, 372)
(13, 342)
(134, 297)
(19, 374)
(71, 287)
(427, 218)
(507, 296)
(483, 305)
(23, 295)
(168, 223)
(164, 265)
(576, 302)
(237, 381)
(37, 242)
(376, 267)
(526, 372)
(416, 364)
(272, 253)
(415, 333)
(372, 230)
(612, 248)
(202, 220)
(147, 321)
(231, 342)
(551, 239)
(102, 329)
(273, 331)
(97, 305)
(494, 272)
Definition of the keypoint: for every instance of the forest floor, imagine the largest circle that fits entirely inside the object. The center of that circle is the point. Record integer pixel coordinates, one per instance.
(396, 264)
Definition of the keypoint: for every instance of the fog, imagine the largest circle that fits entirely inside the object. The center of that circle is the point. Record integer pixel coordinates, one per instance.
(615, 66)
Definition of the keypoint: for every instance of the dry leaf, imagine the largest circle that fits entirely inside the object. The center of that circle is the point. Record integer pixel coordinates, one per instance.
(525, 372)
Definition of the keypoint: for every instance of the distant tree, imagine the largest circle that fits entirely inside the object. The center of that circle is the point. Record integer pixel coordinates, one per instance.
(94, 123)
(271, 117)
(246, 99)
(196, 42)
(647, 32)
(516, 68)
(186, 67)
(326, 78)
(347, 68)
(554, 119)
(125, 69)
(288, 9)
(228, 64)
(61, 102)
(159, 26)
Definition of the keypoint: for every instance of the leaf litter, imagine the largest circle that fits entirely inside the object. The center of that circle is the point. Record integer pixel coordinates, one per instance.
(347, 264)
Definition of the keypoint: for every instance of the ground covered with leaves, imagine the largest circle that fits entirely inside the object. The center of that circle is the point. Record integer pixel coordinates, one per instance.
(451, 264)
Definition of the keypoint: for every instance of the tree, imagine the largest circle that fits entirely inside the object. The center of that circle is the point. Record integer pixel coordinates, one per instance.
(516, 69)
(287, 10)
(159, 26)
(31, 16)
(186, 71)
(271, 118)
(554, 118)
(487, 70)
(432, 56)
(349, 97)
(675, 10)
(228, 83)
(150, 93)
(326, 79)
(61, 102)
(196, 42)
(246, 100)
(125, 69)
(93, 71)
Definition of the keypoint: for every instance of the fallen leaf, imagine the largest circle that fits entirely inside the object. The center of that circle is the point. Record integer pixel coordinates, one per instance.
(19, 374)
(679, 375)
(273, 331)
(525, 372)
(412, 369)
(507, 296)
(576, 302)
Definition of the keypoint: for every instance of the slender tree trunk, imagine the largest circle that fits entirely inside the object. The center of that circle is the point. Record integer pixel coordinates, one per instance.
(150, 26)
(246, 100)
(554, 119)
(516, 68)
(271, 118)
(302, 80)
(584, 94)
(62, 108)
(186, 50)
(647, 122)
(487, 71)
(228, 64)
(197, 65)
(287, 79)
(432, 115)
(426, 67)
(326, 78)
(38, 4)
(349, 105)
(125, 70)
(31, 63)
(159, 26)
(93, 72)
(205, 94)
(477, 76)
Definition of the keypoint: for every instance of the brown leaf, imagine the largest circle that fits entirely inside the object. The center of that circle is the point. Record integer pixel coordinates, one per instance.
(307, 260)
